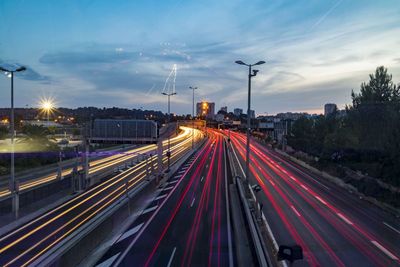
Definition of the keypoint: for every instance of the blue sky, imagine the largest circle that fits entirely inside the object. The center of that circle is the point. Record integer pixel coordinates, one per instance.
(119, 53)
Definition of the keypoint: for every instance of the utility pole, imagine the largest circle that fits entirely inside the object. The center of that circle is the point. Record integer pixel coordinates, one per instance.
(193, 88)
(12, 183)
(249, 111)
(169, 120)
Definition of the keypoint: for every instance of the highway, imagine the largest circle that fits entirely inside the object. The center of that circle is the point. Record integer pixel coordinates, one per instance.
(189, 224)
(333, 226)
(95, 166)
(26, 245)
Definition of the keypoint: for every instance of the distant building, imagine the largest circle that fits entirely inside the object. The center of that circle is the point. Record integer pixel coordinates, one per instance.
(291, 115)
(224, 109)
(238, 112)
(219, 117)
(329, 108)
(252, 114)
(206, 109)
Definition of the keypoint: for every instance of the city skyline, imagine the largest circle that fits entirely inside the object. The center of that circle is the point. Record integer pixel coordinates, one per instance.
(102, 54)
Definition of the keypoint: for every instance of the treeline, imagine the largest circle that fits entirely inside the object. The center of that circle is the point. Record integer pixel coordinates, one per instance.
(366, 138)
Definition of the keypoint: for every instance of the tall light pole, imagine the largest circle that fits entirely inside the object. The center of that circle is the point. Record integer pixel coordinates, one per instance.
(12, 185)
(169, 120)
(248, 112)
(193, 88)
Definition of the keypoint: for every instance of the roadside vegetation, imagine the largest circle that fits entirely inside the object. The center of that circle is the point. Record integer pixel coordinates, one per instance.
(366, 139)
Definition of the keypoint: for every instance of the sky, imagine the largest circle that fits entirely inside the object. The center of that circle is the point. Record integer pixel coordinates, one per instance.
(120, 53)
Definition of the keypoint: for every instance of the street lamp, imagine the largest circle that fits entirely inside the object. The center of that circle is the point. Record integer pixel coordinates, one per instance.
(193, 88)
(248, 111)
(12, 185)
(169, 119)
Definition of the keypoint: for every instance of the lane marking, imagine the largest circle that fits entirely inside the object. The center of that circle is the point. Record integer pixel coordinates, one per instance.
(305, 187)
(172, 182)
(130, 232)
(161, 196)
(172, 257)
(272, 182)
(165, 189)
(109, 261)
(202, 177)
(291, 177)
(320, 200)
(149, 209)
(191, 205)
(177, 176)
(207, 166)
(295, 211)
(384, 250)
(391, 227)
(344, 218)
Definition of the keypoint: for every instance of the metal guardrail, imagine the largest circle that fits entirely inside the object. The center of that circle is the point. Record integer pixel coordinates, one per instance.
(262, 254)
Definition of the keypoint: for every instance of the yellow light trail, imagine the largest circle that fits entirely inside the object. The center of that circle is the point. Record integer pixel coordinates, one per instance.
(118, 178)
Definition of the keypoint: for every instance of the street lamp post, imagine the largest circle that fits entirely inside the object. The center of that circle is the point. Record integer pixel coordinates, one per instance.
(12, 185)
(169, 120)
(251, 74)
(193, 88)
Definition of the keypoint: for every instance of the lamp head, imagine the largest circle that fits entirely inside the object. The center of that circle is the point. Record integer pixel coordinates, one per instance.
(259, 62)
(240, 62)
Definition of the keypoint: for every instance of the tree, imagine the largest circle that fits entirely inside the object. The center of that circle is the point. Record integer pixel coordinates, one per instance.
(374, 110)
(3, 132)
(379, 89)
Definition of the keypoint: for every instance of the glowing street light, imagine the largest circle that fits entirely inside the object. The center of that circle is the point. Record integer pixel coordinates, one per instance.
(47, 106)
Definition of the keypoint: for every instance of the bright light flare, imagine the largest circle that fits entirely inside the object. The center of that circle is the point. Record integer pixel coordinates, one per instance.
(47, 105)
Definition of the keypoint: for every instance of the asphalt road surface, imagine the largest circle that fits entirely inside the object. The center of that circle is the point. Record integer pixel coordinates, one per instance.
(190, 225)
(333, 226)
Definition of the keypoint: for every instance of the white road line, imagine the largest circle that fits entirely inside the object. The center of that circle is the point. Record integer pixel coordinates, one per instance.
(109, 261)
(172, 182)
(295, 211)
(202, 177)
(284, 171)
(320, 200)
(291, 177)
(344, 218)
(149, 209)
(130, 232)
(391, 227)
(384, 250)
(165, 189)
(305, 187)
(172, 257)
(272, 182)
(191, 205)
(161, 196)
(207, 166)
(327, 188)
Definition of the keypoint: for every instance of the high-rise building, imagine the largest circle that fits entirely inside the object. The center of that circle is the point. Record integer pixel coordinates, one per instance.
(224, 109)
(329, 109)
(206, 109)
(238, 112)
